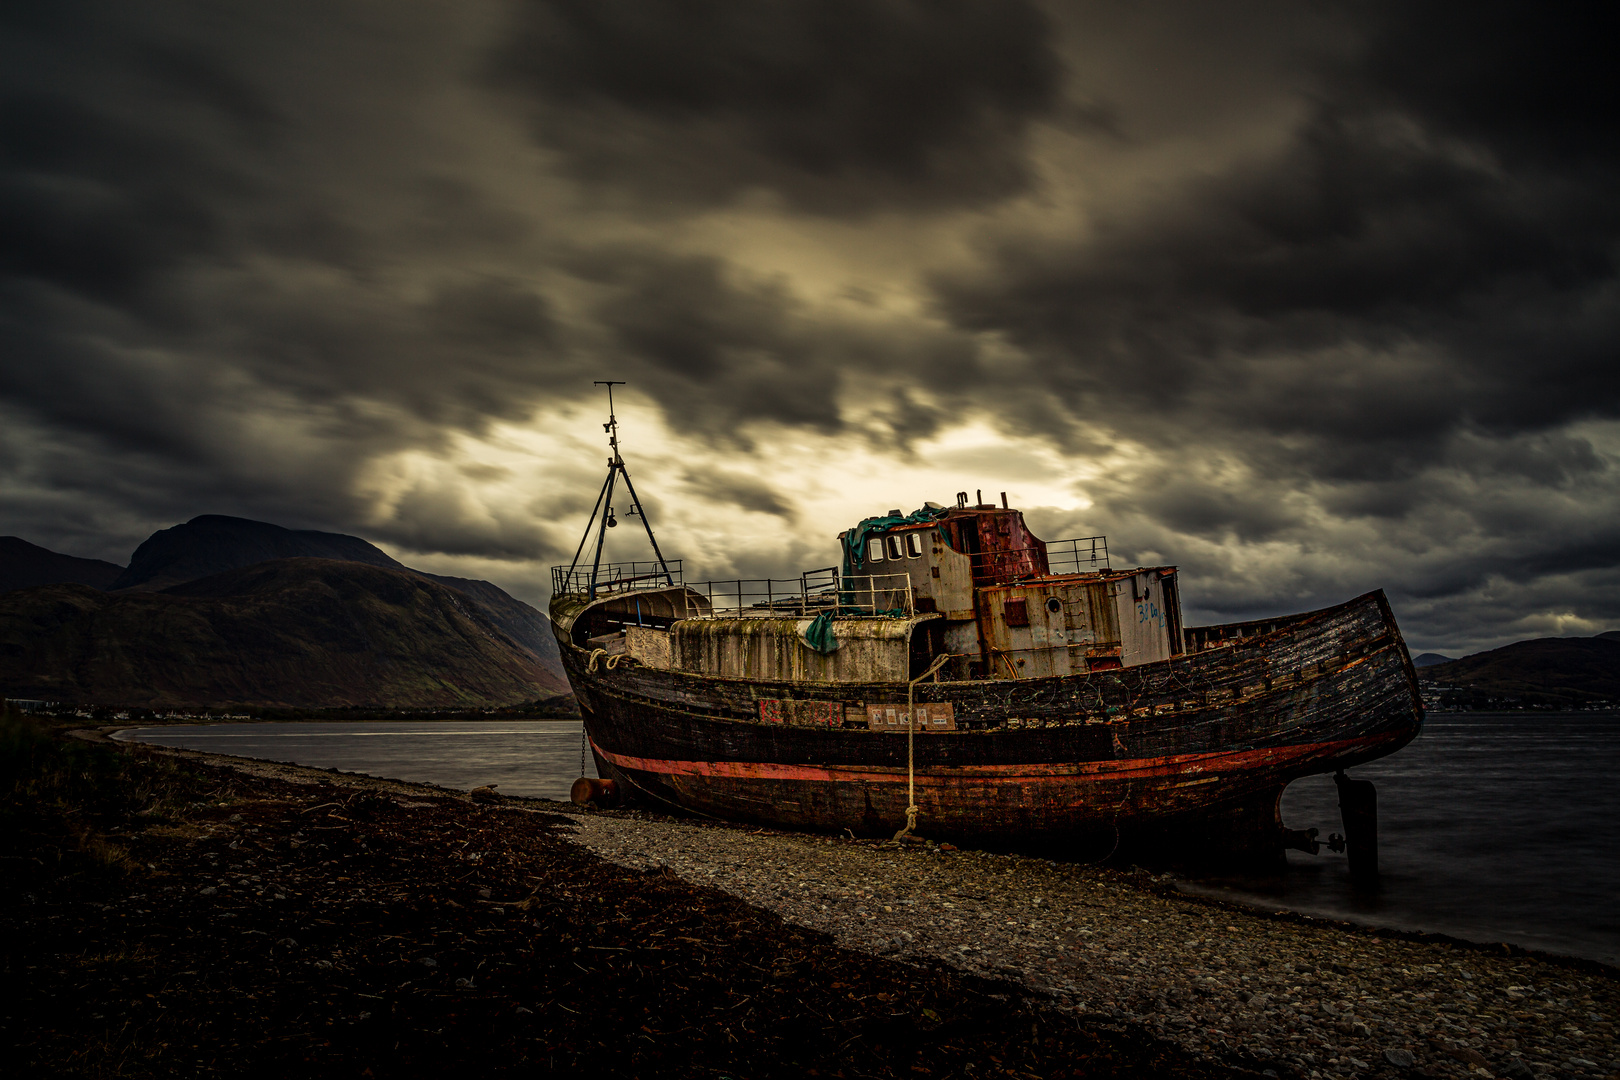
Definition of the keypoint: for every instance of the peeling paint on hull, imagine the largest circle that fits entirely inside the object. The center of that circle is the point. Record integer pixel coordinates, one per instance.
(1190, 753)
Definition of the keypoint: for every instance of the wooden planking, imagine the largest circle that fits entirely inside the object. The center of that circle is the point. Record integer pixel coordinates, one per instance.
(1207, 730)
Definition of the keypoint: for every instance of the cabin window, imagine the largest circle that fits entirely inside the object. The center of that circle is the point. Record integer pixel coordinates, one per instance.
(1054, 605)
(1015, 613)
(914, 545)
(874, 549)
(891, 547)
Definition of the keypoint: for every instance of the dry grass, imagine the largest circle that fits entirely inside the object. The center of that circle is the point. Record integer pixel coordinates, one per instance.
(60, 797)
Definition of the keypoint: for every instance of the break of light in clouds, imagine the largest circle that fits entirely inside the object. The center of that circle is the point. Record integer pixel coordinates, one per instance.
(1308, 299)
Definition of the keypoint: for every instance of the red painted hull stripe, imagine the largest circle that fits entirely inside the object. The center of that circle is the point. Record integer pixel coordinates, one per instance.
(1091, 771)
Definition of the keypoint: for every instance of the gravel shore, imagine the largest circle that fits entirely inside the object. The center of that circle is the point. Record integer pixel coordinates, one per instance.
(1291, 995)
(1110, 964)
(173, 914)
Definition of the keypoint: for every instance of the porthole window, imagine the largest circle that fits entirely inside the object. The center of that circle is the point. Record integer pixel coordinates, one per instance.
(874, 549)
(1054, 605)
(914, 545)
(891, 547)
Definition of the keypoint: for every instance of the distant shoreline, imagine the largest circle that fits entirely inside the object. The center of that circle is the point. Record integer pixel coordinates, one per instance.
(200, 721)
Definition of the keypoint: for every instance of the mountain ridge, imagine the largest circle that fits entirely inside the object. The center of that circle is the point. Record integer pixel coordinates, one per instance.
(208, 559)
(214, 543)
(299, 632)
(1551, 672)
(24, 565)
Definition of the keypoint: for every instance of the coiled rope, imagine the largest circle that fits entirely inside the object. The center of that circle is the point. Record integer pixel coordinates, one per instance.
(590, 666)
(611, 662)
(911, 736)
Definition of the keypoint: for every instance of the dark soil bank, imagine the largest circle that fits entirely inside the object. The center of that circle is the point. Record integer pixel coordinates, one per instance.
(171, 917)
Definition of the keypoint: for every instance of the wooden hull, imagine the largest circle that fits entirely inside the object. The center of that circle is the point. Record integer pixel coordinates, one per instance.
(1184, 757)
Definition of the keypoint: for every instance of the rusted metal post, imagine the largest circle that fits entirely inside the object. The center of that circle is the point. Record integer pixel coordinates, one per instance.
(1358, 808)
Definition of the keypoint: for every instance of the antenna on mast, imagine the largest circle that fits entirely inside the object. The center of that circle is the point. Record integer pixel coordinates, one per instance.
(604, 503)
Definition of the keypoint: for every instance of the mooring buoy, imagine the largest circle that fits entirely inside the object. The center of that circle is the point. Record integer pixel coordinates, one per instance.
(587, 791)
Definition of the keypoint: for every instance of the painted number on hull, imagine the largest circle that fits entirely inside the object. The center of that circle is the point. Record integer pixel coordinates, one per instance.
(1148, 612)
(801, 713)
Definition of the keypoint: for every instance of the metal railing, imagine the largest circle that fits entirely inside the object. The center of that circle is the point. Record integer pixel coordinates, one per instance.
(815, 591)
(811, 593)
(615, 577)
(1077, 556)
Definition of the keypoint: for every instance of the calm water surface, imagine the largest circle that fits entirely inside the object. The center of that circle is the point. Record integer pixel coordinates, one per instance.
(537, 759)
(1493, 827)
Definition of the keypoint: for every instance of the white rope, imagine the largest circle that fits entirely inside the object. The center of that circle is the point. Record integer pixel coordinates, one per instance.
(611, 662)
(911, 736)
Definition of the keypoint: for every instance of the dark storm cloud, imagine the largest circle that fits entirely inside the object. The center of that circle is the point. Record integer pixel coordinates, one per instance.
(1267, 296)
(92, 207)
(720, 485)
(1537, 86)
(836, 106)
(191, 262)
(1450, 197)
(252, 259)
(715, 351)
(724, 352)
(196, 310)
(1394, 217)
(192, 78)
(1383, 325)
(131, 226)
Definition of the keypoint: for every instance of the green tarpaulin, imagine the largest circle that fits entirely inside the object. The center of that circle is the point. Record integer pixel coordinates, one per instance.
(855, 539)
(819, 634)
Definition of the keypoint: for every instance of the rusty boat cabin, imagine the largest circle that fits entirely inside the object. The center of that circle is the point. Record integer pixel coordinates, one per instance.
(1027, 692)
(971, 584)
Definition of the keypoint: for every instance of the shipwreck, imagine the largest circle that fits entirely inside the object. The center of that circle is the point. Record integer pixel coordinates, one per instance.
(953, 675)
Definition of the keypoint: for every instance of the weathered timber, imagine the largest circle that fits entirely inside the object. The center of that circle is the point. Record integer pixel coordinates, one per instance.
(959, 676)
(1184, 755)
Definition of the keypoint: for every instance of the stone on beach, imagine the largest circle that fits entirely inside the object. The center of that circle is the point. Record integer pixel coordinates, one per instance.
(1233, 985)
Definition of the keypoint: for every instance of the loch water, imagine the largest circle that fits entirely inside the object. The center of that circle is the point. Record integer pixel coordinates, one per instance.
(1493, 826)
(532, 759)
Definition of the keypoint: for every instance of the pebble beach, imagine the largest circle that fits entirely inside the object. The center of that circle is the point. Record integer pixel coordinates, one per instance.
(306, 919)
(1262, 990)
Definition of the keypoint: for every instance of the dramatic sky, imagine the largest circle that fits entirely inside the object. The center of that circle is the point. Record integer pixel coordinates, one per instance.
(1308, 298)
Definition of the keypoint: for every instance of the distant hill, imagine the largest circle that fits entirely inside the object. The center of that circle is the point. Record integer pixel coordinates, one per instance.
(298, 632)
(1429, 659)
(519, 621)
(24, 565)
(213, 543)
(1543, 671)
(197, 559)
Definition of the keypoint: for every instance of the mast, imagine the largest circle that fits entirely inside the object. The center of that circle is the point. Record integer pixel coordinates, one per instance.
(616, 471)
